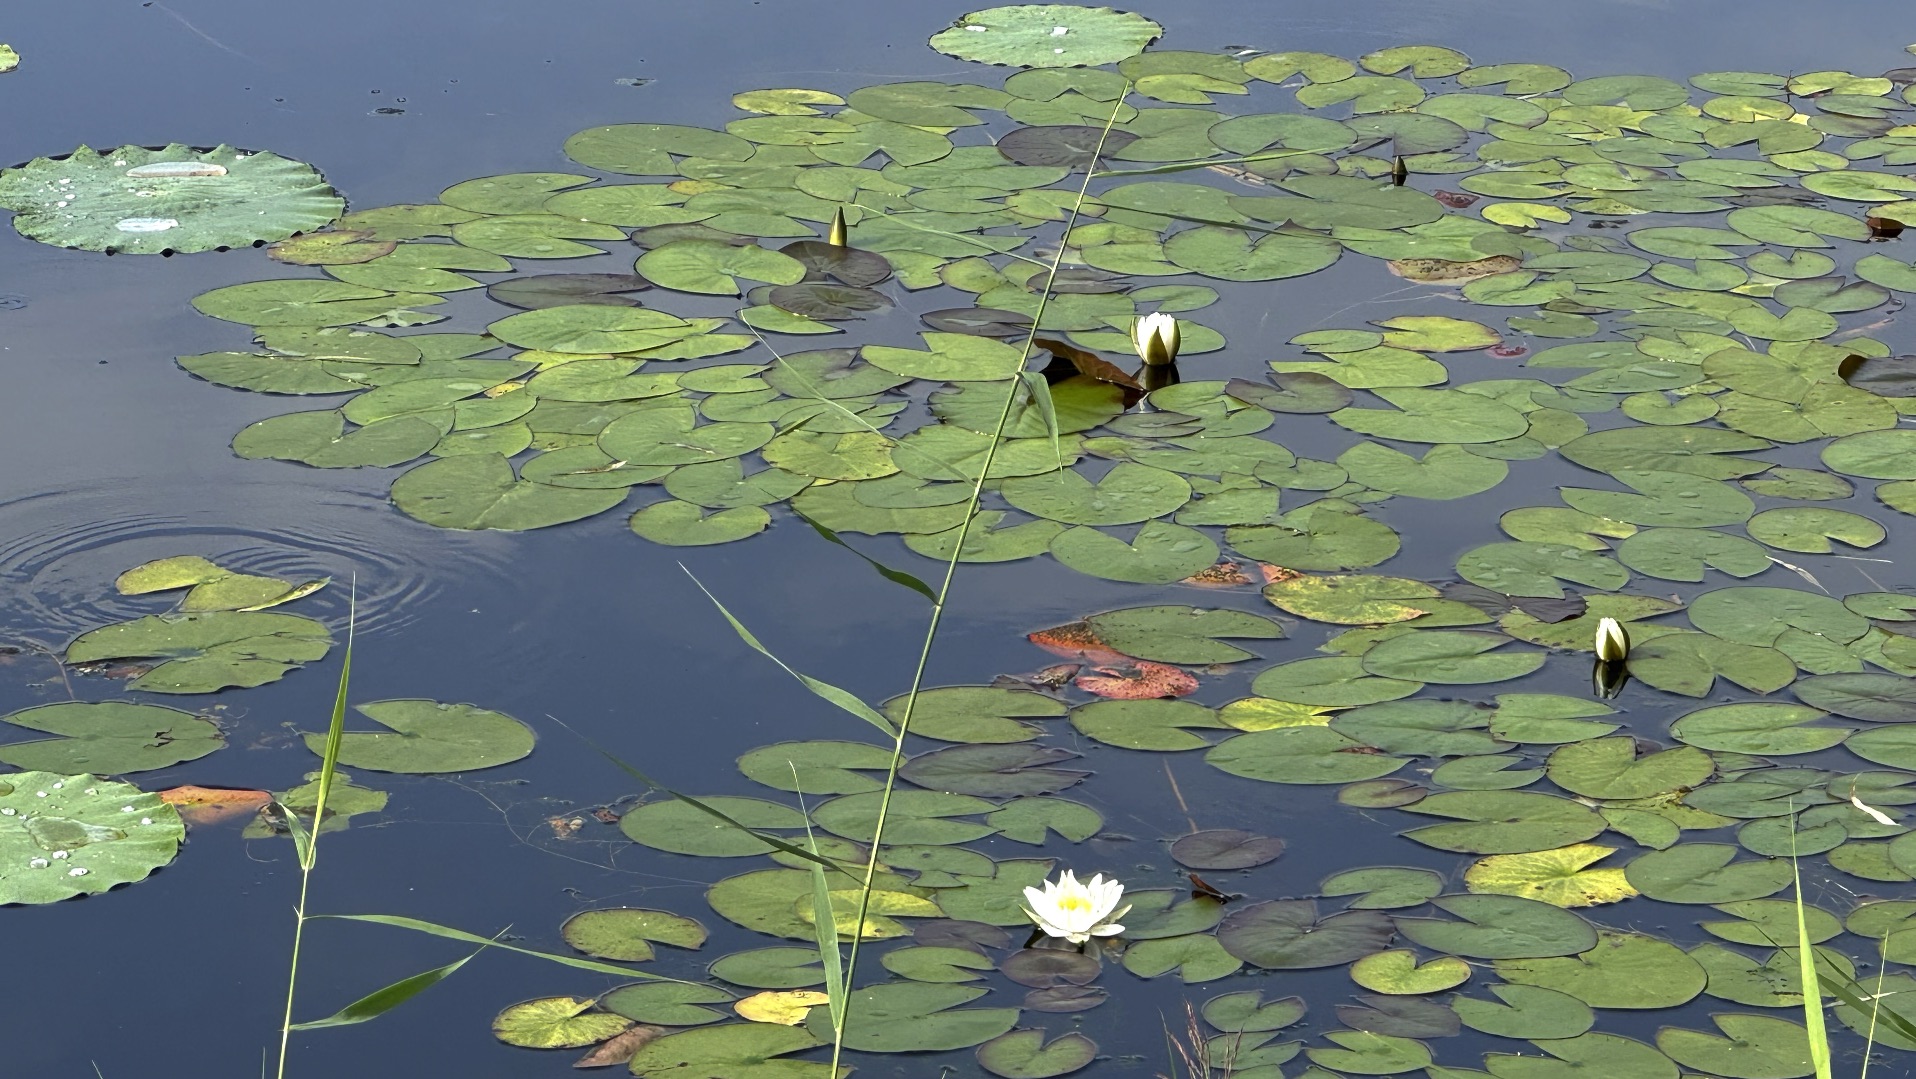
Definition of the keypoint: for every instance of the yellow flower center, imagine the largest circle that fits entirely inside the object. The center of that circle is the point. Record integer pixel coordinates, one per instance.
(1074, 903)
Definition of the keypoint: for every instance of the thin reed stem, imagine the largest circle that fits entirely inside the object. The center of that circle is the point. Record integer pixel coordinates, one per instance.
(944, 591)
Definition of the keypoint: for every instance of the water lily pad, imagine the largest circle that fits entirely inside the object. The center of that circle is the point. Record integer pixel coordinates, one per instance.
(1225, 848)
(731, 1049)
(1751, 1047)
(110, 738)
(67, 835)
(1504, 822)
(1047, 36)
(1310, 755)
(1560, 877)
(1624, 970)
(479, 491)
(1174, 634)
(1879, 698)
(627, 933)
(1449, 657)
(202, 653)
(1758, 728)
(1159, 553)
(1609, 768)
(1024, 1054)
(139, 201)
(1288, 934)
(1527, 1011)
(1398, 972)
(427, 736)
(1705, 873)
(901, 1017)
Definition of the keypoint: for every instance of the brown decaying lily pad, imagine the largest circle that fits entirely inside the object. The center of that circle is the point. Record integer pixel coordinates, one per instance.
(210, 805)
(1138, 680)
(1076, 640)
(1445, 272)
(1225, 574)
(619, 1049)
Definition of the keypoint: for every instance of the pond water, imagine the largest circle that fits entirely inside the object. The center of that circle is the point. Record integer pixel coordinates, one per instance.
(591, 636)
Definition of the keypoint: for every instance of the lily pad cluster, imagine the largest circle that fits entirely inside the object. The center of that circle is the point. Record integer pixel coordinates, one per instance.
(1684, 291)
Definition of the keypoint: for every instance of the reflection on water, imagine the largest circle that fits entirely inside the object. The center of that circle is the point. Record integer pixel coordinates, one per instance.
(60, 551)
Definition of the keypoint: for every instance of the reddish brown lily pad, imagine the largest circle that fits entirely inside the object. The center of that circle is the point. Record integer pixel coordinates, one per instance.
(1138, 680)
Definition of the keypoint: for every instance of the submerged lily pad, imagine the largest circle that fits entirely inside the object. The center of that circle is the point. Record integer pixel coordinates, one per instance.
(139, 201)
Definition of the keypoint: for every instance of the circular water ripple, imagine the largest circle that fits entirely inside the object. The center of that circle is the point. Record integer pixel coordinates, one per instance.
(60, 552)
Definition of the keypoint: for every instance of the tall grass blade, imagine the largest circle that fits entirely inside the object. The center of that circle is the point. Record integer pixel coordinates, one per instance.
(306, 843)
(1040, 391)
(893, 575)
(944, 591)
(1813, 1020)
(380, 1001)
(824, 922)
(824, 690)
(437, 930)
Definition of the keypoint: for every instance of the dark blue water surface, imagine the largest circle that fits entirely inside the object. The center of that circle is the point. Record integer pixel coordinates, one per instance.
(114, 456)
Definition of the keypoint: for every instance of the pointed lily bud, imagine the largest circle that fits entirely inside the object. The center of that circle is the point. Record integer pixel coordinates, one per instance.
(1155, 337)
(837, 237)
(1613, 644)
(1399, 172)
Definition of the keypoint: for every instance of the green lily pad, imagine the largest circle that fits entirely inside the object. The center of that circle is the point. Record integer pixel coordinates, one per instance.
(1288, 934)
(139, 201)
(682, 828)
(202, 653)
(1624, 970)
(1449, 657)
(1527, 1011)
(1750, 1047)
(427, 736)
(68, 835)
(1609, 768)
(731, 1049)
(1159, 553)
(682, 524)
(1757, 728)
(900, 1017)
(1705, 873)
(1309, 755)
(1500, 927)
(1503, 822)
(110, 738)
(1173, 634)
(478, 491)
(1159, 725)
(1028, 35)
(627, 933)
(1025, 1054)
(1879, 698)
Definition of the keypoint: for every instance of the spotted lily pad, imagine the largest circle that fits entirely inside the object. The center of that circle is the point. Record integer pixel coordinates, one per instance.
(139, 201)
(1046, 36)
(67, 835)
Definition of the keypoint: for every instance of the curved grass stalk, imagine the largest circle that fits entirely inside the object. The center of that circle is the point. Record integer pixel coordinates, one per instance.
(840, 1016)
(307, 843)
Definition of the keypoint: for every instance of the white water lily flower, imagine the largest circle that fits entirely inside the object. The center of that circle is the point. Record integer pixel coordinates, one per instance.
(1075, 910)
(1613, 643)
(1155, 337)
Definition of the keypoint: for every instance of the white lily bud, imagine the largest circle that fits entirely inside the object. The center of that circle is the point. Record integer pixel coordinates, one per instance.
(837, 237)
(1613, 643)
(1156, 338)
